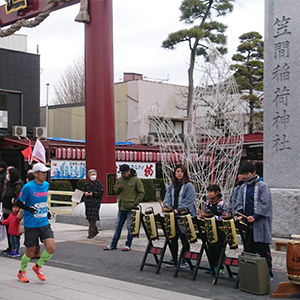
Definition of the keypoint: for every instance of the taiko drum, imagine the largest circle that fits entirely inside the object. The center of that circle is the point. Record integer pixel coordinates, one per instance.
(293, 259)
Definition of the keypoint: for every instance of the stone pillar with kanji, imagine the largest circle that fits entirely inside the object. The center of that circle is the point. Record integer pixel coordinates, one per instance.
(281, 113)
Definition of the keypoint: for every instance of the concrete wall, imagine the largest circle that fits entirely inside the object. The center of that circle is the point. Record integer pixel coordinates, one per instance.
(166, 95)
(72, 122)
(121, 112)
(65, 121)
(132, 98)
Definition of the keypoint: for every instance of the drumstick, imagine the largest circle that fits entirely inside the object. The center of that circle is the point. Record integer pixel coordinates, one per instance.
(246, 225)
(160, 202)
(242, 222)
(201, 212)
(241, 215)
(163, 203)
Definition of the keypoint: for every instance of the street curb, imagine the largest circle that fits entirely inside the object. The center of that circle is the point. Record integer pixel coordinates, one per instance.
(104, 224)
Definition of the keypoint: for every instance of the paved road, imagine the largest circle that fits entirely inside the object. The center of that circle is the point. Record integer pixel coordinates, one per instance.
(77, 253)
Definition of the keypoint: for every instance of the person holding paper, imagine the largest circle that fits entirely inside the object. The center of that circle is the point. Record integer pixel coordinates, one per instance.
(77, 196)
(92, 197)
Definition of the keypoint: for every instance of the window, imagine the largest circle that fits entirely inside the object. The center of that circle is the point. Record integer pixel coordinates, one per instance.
(178, 126)
(3, 111)
(164, 128)
(3, 101)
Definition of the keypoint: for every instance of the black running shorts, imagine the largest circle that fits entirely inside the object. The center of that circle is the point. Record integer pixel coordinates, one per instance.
(32, 235)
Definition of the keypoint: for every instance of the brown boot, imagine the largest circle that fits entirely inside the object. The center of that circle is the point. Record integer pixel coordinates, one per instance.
(37, 253)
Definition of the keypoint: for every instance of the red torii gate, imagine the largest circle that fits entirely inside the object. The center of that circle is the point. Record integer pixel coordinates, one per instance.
(99, 84)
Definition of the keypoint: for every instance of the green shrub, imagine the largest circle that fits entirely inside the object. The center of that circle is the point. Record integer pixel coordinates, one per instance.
(149, 190)
(60, 185)
(80, 184)
(151, 186)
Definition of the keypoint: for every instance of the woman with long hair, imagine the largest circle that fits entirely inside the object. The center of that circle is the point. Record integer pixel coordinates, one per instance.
(13, 188)
(180, 196)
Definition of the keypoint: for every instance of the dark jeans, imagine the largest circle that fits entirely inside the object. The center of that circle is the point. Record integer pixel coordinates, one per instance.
(15, 242)
(174, 246)
(174, 242)
(215, 249)
(122, 217)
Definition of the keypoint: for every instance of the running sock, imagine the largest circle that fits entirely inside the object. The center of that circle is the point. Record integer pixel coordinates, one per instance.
(44, 258)
(24, 262)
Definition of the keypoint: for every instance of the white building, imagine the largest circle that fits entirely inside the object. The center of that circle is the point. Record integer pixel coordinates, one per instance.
(16, 42)
(132, 97)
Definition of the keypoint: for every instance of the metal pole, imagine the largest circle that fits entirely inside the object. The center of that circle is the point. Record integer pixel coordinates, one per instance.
(47, 112)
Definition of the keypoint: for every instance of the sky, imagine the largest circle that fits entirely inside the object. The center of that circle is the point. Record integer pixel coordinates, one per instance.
(139, 28)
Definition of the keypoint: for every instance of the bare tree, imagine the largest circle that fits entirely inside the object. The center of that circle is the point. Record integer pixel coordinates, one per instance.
(70, 88)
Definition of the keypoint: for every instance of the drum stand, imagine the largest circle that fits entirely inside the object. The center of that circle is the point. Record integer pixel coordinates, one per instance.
(231, 261)
(189, 255)
(244, 231)
(228, 262)
(157, 252)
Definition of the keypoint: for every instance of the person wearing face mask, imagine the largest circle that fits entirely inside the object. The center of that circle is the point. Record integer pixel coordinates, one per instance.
(92, 197)
(11, 190)
(254, 201)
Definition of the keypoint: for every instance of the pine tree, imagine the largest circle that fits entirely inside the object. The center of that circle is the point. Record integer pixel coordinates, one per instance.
(249, 72)
(200, 14)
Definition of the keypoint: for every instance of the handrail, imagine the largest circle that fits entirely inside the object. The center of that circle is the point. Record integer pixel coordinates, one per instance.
(67, 203)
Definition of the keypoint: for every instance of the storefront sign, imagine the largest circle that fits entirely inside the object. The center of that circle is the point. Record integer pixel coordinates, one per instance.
(75, 169)
(143, 170)
(68, 169)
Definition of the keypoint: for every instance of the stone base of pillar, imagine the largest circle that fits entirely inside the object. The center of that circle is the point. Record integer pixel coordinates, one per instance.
(286, 212)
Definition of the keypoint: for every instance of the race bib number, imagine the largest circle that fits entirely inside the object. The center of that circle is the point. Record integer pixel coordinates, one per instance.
(42, 210)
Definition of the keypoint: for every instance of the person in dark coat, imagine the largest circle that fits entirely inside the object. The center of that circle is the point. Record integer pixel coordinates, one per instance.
(12, 190)
(2, 177)
(93, 192)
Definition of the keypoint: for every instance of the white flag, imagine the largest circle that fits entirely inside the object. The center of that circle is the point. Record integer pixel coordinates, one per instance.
(39, 152)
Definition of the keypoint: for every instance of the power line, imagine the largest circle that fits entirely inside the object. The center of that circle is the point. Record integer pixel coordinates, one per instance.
(247, 10)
